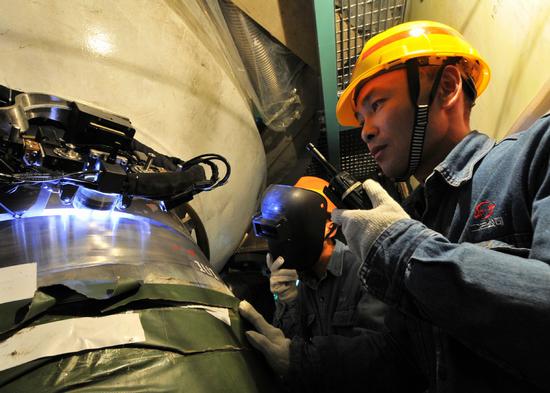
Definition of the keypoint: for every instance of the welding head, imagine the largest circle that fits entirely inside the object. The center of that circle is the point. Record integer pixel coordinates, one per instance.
(292, 219)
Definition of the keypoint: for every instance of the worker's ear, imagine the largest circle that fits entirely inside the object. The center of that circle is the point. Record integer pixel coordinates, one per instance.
(330, 229)
(450, 87)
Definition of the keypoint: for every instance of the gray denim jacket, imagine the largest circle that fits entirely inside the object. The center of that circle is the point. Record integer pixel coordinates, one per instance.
(334, 304)
(469, 280)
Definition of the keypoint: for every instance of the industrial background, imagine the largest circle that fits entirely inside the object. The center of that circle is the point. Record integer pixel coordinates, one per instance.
(252, 81)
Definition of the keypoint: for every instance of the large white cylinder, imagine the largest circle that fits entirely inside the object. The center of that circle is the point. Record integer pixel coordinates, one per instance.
(142, 60)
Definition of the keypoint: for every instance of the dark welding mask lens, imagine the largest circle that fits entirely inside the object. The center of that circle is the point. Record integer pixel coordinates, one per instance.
(266, 228)
(265, 231)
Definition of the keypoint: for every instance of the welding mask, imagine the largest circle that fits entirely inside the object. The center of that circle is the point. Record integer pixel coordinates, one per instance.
(292, 220)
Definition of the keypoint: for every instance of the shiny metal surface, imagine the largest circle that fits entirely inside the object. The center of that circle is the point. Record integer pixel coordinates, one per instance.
(28, 106)
(142, 244)
(144, 60)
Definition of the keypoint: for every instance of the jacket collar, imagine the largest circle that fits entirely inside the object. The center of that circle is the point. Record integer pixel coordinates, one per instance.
(335, 266)
(458, 166)
(336, 262)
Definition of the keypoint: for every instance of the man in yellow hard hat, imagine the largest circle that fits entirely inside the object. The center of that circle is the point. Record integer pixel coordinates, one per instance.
(466, 269)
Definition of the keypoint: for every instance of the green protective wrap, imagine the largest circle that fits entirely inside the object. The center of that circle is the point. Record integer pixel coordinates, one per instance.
(178, 293)
(149, 370)
(185, 350)
(95, 289)
(115, 294)
(16, 313)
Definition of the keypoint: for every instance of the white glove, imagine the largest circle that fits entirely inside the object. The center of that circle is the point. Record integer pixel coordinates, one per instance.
(362, 227)
(269, 340)
(282, 282)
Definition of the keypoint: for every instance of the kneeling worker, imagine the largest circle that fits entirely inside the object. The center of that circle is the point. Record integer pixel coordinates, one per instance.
(314, 276)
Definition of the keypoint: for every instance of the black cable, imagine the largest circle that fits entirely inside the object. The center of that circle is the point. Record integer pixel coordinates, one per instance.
(167, 186)
(46, 178)
(208, 159)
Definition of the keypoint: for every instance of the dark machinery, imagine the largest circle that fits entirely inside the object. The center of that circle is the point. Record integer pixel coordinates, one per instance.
(90, 157)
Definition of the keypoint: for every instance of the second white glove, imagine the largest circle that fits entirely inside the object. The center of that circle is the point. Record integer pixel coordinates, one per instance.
(268, 339)
(282, 282)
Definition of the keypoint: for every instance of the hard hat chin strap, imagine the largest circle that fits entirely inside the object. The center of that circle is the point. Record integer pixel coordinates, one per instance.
(421, 112)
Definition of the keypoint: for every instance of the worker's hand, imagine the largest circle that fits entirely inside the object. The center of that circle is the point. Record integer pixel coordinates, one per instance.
(282, 282)
(269, 340)
(362, 227)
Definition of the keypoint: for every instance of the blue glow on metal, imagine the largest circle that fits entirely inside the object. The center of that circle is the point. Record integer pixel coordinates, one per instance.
(54, 113)
(70, 216)
(41, 201)
(81, 214)
(91, 199)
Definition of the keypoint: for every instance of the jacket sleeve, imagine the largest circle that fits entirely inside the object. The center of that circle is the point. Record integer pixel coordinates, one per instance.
(286, 318)
(374, 362)
(496, 303)
(371, 312)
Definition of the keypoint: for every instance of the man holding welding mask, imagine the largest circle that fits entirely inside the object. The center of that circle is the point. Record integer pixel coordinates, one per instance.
(466, 267)
(314, 276)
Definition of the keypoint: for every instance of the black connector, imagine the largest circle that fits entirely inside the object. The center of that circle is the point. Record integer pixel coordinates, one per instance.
(343, 190)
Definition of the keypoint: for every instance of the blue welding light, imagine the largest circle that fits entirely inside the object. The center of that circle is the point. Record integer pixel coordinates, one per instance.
(87, 214)
(56, 113)
(272, 202)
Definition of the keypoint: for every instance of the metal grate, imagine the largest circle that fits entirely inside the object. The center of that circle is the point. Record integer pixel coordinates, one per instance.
(354, 155)
(314, 168)
(356, 21)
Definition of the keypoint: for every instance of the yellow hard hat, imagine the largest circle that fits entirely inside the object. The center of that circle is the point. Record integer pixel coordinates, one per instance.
(316, 184)
(400, 43)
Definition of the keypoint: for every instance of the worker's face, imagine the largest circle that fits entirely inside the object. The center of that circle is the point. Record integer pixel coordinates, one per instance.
(386, 114)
